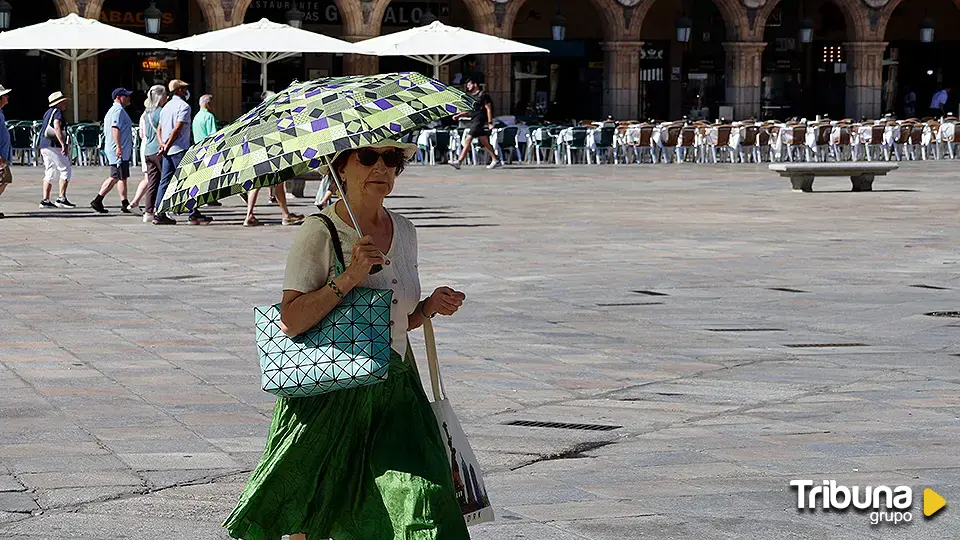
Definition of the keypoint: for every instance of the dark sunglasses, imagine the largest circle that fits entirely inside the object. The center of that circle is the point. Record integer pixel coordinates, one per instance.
(369, 158)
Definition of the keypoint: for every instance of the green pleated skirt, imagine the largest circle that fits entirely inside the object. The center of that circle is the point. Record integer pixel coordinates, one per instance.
(362, 464)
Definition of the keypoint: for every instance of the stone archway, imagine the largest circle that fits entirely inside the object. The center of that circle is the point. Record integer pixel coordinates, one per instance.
(920, 68)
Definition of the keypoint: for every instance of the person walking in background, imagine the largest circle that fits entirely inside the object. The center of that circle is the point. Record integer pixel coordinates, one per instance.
(174, 136)
(279, 192)
(118, 146)
(53, 151)
(6, 149)
(910, 104)
(205, 125)
(481, 124)
(938, 105)
(150, 150)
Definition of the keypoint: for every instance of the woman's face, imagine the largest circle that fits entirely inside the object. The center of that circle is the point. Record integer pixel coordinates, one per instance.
(375, 180)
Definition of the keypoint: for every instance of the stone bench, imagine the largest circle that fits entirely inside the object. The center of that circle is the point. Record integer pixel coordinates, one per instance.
(801, 175)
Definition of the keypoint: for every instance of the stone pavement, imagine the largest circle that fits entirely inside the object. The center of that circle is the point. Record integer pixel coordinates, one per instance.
(739, 335)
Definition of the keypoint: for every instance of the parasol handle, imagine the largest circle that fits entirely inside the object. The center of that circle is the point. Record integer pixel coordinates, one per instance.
(343, 196)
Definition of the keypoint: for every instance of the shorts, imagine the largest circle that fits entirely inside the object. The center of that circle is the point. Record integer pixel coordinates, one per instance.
(143, 158)
(54, 164)
(120, 171)
(479, 130)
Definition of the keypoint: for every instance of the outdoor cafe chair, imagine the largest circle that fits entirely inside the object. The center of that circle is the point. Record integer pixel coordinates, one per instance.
(604, 143)
(750, 143)
(575, 142)
(89, 145)
(542, 142)
(726, 142)
(438, 144)
(506, 140)
(22, 136)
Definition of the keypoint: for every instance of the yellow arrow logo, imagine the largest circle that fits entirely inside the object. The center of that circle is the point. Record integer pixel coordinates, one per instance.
(932, 502)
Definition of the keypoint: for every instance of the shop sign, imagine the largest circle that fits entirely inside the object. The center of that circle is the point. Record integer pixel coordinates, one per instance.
(131, 19)
(399, 13)
(153, 64)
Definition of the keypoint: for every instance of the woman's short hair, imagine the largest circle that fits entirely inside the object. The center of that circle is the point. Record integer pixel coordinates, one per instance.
(341, 161)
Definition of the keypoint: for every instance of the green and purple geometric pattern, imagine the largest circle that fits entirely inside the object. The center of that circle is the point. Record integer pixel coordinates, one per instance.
(301, 127)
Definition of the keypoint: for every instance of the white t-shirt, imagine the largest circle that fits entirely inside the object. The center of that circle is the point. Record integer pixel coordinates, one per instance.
(310, 266)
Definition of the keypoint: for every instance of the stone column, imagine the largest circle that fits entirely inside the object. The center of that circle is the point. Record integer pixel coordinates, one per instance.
(497, 76)
(225, 84)
(360, 64)
(621, 79)
(864, 78)
(744, 73)
(87, 85)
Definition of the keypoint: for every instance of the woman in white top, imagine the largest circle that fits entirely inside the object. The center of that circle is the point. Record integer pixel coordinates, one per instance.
(368, 462)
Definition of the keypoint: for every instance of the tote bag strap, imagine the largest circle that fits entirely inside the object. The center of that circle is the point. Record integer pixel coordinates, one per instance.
(436, 381)
(335, 238)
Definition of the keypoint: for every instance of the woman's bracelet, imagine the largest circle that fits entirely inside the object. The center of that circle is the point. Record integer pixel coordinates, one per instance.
(423, 304)
(336, 290)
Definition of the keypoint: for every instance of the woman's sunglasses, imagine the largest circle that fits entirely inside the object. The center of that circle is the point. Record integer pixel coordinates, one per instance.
(369, 158)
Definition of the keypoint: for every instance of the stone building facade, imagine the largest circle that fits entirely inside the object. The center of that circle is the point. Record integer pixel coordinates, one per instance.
(622, 24)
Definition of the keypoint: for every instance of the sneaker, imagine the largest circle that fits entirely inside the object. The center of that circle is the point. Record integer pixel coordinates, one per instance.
(214, 203)
(98, 206)
(147, 217)
(162, 219)
(125, 207)
(455, 164)
(62, 202)
(495, 165)
(273, 200)
(294, 219)
(252, 222)
(47, 204)
(200, 219)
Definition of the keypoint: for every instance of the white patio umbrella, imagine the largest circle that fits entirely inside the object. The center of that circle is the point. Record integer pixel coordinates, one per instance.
(75, 38)
(438, 44)
(265, 42)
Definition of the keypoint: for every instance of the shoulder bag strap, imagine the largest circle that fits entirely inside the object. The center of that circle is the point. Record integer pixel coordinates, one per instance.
(335, 238)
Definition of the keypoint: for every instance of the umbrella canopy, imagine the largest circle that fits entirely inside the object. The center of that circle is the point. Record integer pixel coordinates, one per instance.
(75, 38)
(303, 128)
(264, 42)
(438, 44)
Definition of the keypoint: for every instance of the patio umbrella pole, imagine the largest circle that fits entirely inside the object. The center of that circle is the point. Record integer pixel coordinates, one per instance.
(263, 74)
(74, 83)
(343, 196)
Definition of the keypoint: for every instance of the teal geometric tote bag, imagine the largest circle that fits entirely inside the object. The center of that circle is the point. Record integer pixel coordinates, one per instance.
(350, 347)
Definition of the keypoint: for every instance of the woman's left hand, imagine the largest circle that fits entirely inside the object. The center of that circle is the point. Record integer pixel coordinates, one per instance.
(444, 301)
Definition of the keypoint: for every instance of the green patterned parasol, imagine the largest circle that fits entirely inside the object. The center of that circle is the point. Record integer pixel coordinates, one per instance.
(304, 127)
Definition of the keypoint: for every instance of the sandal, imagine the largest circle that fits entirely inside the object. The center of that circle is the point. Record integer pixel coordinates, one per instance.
(293, 219)
(252, 222)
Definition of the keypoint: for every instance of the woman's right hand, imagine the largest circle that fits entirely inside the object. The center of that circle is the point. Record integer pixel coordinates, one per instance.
(365, 256)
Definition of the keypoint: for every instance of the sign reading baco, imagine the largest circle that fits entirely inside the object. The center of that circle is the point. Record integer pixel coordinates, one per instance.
(326, 12)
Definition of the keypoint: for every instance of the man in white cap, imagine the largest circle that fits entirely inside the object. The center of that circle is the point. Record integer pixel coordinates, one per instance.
(6, 150)
(53, 150)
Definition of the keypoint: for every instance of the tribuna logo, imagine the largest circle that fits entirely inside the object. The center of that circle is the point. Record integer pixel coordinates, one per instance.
(827, 495)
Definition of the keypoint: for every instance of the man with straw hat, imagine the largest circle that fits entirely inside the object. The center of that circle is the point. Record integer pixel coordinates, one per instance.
(53, 150)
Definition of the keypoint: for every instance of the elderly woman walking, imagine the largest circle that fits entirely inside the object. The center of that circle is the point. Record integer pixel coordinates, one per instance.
(365, 463)
(150, 151)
